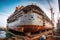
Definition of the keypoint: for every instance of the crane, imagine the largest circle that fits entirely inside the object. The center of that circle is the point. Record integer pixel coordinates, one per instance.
(52, 16)
(52, 13)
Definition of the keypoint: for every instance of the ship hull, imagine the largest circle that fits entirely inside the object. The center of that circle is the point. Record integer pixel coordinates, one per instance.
(29, 22)
(30, 28)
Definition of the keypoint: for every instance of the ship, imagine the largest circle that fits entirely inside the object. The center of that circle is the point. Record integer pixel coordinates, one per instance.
(30, 18)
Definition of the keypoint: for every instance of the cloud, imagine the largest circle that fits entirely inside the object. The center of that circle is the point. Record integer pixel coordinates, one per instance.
(3, 19)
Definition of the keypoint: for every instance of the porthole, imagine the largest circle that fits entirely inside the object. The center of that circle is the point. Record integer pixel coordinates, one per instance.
(31, 17)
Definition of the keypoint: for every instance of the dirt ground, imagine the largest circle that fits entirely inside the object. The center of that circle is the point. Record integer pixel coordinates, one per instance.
(14, 38)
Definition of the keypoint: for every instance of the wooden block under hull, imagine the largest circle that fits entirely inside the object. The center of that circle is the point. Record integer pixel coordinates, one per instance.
(29, 28)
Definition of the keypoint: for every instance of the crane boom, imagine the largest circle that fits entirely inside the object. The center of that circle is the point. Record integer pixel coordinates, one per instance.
(52, 14)
(49, 4)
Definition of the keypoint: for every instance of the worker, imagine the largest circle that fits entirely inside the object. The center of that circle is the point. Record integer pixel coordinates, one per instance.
(43, 37)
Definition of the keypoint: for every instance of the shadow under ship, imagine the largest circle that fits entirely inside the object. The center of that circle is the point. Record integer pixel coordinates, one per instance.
(30, 18)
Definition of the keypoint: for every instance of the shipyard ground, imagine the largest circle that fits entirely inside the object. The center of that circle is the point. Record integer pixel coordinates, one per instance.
(48, 35)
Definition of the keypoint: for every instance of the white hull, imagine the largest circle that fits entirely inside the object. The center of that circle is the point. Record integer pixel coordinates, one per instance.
(27, 19)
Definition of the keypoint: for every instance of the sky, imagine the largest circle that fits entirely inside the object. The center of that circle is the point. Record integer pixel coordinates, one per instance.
(7, 7)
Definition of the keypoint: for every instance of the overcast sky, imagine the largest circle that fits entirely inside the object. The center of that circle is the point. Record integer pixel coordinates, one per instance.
(7, 7)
